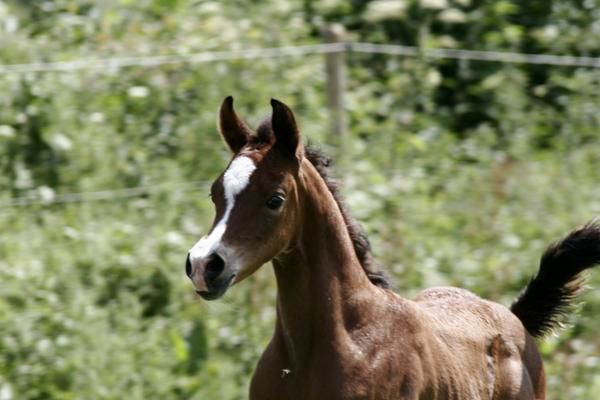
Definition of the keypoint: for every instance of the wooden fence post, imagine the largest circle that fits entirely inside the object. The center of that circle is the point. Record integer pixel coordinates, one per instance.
(335, 69)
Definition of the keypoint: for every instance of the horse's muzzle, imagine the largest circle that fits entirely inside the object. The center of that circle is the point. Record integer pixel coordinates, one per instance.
(210, 276)
(216, 291)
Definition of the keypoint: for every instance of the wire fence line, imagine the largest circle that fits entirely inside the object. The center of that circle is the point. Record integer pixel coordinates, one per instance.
(109, 64)
(476, 55)
(153, 61)
(116, 63)
(50, 198)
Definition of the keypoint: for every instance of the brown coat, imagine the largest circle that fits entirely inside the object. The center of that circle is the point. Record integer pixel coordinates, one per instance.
(340, 332)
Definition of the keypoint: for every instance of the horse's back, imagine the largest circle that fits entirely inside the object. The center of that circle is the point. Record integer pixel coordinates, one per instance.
(484, 342)
(461, 315)
(454, 308)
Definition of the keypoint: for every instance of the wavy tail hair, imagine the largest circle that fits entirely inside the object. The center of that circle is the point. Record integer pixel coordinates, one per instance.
(550, 295)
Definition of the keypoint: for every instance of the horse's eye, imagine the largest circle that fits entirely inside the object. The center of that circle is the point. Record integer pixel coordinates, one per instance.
(275, 201)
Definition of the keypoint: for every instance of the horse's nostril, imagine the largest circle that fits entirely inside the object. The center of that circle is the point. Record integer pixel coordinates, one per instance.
(188, 266)
(213, 269)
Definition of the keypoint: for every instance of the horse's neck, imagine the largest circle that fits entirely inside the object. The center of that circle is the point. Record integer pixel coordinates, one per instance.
(320, 280)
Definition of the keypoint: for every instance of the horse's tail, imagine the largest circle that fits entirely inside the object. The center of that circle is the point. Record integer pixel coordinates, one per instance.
(550, 294)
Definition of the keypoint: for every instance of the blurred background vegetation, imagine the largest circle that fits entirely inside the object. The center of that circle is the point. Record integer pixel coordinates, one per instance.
(461, 172)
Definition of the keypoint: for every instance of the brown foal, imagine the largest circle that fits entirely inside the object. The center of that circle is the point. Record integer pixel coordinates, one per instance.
(340, 332)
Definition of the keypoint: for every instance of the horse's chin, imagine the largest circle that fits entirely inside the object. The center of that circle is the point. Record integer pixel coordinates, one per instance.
(217, 292)
(206, 295)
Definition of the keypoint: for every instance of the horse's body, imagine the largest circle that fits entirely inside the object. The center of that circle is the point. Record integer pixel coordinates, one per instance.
(437, 349)
(340, 334)
(352, 340)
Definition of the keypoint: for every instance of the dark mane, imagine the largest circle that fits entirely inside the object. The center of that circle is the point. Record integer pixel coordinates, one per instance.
(322, 163)
(362, 247)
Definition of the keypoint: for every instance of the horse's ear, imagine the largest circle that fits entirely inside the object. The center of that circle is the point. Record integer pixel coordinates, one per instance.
(233, 129)
(287, 135)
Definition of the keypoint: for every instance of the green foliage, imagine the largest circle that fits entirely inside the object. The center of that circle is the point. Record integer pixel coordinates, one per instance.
(461, 173)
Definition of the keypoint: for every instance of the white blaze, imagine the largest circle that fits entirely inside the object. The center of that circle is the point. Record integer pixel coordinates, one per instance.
(235, 180)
